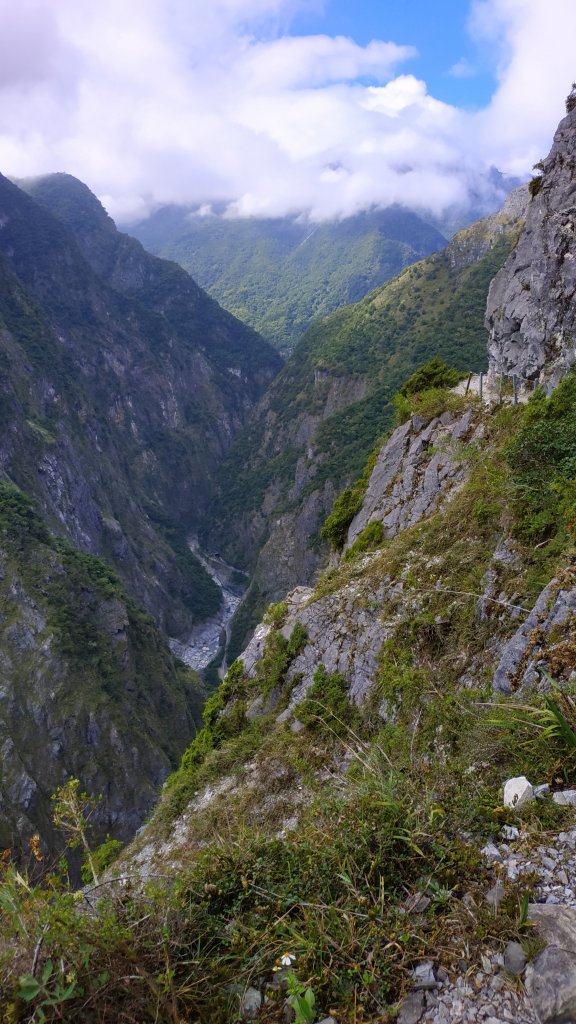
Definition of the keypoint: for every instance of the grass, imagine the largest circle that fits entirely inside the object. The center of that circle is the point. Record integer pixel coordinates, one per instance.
(334, 891)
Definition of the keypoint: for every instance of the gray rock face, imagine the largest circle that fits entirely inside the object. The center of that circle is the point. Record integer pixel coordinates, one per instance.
(551, 986)
(345, 634)
(551, 978)
(416, 470)
(531, 313)
(544, 636)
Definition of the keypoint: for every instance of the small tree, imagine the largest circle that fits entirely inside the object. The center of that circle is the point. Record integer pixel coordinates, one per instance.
(72, 813)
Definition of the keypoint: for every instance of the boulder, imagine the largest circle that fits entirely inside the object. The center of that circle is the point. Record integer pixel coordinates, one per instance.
(517, 792)
(551, 978)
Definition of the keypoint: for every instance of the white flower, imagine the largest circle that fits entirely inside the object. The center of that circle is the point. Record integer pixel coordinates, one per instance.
(287, 959)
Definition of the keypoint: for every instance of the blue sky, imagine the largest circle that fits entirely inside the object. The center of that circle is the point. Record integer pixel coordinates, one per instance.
(314, 107)
(438, 30)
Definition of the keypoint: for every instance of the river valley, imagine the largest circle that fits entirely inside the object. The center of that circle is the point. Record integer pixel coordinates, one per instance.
(207, 638)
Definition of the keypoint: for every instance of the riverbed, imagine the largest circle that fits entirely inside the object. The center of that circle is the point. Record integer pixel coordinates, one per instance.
(205, 640)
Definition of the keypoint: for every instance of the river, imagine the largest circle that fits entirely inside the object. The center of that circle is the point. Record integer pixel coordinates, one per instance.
(204, 642)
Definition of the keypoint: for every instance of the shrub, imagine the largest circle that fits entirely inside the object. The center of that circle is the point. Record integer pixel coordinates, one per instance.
(372, 536)
(327, 704)
(346, 506)
(433, 374)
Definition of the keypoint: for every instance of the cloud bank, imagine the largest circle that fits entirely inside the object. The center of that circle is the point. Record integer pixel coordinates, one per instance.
(160, 101)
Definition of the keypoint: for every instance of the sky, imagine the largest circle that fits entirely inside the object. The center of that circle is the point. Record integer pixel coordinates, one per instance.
(275, 107)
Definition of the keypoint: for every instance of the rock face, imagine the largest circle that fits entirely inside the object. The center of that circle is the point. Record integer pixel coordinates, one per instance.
(531, 313)
(416, 470)
(551, 978)
(544, 641)
(122, 386)
(88, 687)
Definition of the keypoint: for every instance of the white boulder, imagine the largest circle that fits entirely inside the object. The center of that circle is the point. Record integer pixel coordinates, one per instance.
(518, 792)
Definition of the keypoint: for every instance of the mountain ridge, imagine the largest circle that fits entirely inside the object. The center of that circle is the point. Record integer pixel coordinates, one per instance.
(279, 275)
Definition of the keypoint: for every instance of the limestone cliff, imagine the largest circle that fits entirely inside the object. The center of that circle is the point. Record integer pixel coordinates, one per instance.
(88, 686)
(531, 313)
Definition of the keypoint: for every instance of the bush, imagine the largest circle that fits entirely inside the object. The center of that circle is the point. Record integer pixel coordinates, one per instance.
(433, 374)
(327, 704)
(346, 506)
(372, 536)
(542, 456)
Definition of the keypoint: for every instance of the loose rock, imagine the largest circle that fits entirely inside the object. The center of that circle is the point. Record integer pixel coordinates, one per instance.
(517, 792)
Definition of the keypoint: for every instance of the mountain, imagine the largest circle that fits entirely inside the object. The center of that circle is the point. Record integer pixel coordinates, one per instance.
(278, 275)
(123, 384)
(311, 433)
(87, 686)
(376, 820)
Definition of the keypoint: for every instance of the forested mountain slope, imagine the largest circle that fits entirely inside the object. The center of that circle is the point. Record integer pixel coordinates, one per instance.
(88, 689)
(280, 275)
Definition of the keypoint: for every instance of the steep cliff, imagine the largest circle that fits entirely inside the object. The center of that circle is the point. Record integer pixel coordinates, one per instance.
(122, 385)
(88, 686)
(344, 835)
(531, 306)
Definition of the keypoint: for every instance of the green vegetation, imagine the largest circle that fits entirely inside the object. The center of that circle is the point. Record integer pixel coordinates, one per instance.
(433, 374)
(371, 537)
(425, 393)
(382, 869)
(327, 706)
(347, 505)
(74, 644)
(336, 894)
(542, 455)
(20, 524)
(224, 718)
(280, 275)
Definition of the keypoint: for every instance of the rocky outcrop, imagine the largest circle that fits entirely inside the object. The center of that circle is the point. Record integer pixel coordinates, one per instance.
(473, 243)
(531, 312)
(416, 471)
(312, 432)
(545, 642)
(551, 978)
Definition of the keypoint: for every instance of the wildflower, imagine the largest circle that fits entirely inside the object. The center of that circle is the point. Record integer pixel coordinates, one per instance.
(287, 959)
(35, 848)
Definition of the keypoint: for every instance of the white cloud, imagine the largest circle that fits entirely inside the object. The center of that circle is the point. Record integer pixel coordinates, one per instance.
(533, 43)
(153, 101)
(462, 69)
